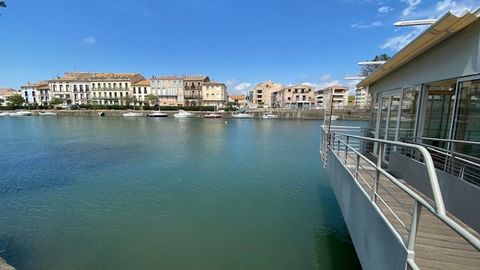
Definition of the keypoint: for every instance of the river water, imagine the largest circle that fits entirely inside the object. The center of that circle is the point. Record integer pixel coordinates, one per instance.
(116, 193)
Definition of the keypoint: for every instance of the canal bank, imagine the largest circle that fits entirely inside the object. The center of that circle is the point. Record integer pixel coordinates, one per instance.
(283, 114)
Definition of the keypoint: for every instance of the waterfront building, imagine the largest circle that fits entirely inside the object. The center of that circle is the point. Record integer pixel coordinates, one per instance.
(192, 86)
(214, 94)
(72, 88)
(5, 94)
(140, 90)
(409, 186)
(339, 99)
(362, 98)
(36, 93)
(169, 90)
(294, 97)
(241, 100)
(113, 88)
(262, 93)
(319, 101)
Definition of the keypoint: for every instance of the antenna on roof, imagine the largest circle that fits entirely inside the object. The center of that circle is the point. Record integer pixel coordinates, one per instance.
(415, 22)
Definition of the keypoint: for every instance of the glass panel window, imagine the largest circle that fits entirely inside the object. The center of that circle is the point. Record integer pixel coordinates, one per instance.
(409, 113)
(468, 119)
(439, 110)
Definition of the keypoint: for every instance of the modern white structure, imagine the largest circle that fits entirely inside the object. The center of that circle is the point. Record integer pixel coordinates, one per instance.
(409, 186)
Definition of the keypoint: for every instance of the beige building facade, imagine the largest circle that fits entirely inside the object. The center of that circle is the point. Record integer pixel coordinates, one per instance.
(192, 86)
(262, 93)
(113, 88)
(214, 94)
(169, 90)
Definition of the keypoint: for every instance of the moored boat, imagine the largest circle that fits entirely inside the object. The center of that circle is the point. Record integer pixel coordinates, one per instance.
(334, 117)
(47, 114)
(183, 114)
(269, 115)
(132, 114)
(4, 114)
(213, 115)
(243, 115)
(157, 114)
(21, 113)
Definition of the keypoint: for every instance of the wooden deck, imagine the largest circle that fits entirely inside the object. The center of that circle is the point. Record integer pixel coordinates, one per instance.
(437, 246)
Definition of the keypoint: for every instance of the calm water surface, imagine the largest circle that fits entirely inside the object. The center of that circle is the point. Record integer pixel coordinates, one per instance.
(113, 193)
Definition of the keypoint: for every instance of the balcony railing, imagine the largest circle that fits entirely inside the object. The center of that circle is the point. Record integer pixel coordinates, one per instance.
(373, 178)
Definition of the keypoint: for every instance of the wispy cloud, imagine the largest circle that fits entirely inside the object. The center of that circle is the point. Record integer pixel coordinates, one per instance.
(411, 6)
(398, 42)
(365, 26)
(242, 86)
(385, 9)
(88, 41)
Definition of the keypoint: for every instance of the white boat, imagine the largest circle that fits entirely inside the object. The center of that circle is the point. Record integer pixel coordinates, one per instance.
(47, 114)
(334, 117)
(243, 115)
(5, 114)
(132, 114)
(157, 114)
(213, 115)
(269, 115)
(21, 113)
(183, 114)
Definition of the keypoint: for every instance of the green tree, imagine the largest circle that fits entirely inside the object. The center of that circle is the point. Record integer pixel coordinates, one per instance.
(16, 101)
(2, 5)
(369, 69)
(56, 101)
(151, 98)
(1, 101)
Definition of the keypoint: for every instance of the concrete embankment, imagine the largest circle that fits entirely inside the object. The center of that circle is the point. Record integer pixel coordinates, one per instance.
(5, 266)
(283, 114)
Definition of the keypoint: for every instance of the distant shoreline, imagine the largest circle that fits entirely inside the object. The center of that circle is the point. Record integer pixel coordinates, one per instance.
(283, 113)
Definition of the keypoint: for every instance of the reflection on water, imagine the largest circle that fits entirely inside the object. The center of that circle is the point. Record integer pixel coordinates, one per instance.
(111, 193)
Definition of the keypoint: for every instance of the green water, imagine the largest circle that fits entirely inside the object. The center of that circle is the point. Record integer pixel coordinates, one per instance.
(113, 193)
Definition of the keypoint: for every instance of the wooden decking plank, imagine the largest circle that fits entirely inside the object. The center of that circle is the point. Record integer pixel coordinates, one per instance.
(437, 245)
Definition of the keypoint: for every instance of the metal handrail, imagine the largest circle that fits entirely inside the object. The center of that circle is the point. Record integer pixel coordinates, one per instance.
(446, 140)
(332, 142)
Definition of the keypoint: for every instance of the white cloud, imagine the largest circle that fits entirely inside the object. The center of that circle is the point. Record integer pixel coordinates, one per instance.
(364, 26)
(398, 42)
(242, 86)
(385, 9)
(90, 40)
(325, 77)
(411, 6)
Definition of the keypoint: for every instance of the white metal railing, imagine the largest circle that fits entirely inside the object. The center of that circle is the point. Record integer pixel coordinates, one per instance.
(450, 160)
(346, 148)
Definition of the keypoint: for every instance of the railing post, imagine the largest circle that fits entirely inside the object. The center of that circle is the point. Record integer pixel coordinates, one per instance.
(412, 233)
(346, 149)
(357, 167)
(377, 175)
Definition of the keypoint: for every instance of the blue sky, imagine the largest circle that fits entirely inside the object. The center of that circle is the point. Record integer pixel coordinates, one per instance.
(239, 42)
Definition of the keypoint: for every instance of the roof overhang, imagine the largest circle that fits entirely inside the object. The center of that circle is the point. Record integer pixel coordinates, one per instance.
(445, 26)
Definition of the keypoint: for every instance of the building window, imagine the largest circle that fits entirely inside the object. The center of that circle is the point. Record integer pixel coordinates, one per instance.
(134, 90)
(144, 90)
(81, 88)
(75, 88)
